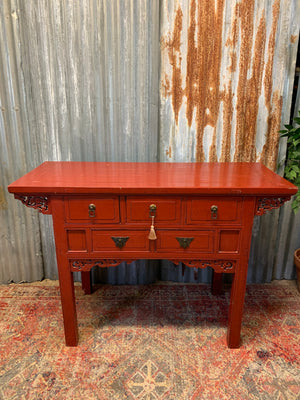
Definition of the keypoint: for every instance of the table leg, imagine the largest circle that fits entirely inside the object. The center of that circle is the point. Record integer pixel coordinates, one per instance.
(67, 294)
(236, 307)
(66, 281)
(86, 282)
(217, 283)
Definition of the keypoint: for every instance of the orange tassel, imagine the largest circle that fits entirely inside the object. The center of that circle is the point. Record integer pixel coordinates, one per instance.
(152, 234)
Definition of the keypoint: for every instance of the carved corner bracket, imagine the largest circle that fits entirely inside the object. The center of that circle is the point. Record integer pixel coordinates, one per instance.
(218, 265)
(42, 204)
(87, 265)
(265, 204)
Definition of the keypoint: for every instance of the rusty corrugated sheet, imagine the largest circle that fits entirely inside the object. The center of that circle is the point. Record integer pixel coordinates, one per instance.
(226, 75)
(140, 80)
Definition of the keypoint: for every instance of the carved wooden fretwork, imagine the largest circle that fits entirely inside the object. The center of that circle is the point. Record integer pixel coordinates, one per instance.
(87, 265)
(217, 265)
(269, 203)
(39, 203)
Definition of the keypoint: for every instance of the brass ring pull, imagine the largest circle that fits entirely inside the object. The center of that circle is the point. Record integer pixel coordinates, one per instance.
(214, 212)
(92, 211)
(152, 210)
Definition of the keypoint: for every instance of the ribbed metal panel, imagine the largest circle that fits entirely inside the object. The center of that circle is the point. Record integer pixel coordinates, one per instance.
(20, 244)
(78, 81)
(141, 80)
(226, 78)
(227, 74)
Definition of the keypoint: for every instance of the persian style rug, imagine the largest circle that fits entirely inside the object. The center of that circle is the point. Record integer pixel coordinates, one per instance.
(162, 341)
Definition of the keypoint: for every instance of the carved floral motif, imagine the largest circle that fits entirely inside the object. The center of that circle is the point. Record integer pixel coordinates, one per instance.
(269, 203)
(217, 265)
(37, 202)
(87, 265)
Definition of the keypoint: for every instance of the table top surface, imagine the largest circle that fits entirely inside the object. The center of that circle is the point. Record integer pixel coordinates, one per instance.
(62, 177)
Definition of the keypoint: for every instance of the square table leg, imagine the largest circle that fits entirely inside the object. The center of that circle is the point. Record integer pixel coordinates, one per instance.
(217, 283)
(65, 275)
(86, 282)
(236, 306)
(67, 294)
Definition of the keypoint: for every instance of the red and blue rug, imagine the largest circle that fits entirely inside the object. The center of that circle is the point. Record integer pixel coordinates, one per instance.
(162, 341)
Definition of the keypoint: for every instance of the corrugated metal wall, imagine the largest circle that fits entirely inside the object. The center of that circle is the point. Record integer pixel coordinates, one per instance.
(141, 80)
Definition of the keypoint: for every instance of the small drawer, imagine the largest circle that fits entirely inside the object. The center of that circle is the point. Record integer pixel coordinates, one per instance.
(214, 209)
(107, 241)
(186, 241)
(167, 210)
(104, 209)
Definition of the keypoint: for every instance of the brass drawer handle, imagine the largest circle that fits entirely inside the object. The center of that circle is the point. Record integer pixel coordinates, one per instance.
(214, 212)
(120, 241)
(184, 241)
(92, 211)
(152, 210)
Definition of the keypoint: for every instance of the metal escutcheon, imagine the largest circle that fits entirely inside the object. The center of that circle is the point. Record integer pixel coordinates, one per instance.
(92, 211)
(120, 241)
(184, 241)
(152, 210)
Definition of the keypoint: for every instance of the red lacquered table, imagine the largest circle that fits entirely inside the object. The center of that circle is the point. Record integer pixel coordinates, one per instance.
(200, 214)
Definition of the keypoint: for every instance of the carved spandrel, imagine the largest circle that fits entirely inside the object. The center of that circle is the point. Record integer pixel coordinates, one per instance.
(87, 265)
(265, 204)
(218, 265)
(42, 204)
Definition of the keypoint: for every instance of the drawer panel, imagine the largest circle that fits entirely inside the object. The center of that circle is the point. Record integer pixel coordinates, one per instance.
(105, 210)
(200, 210)
(229, 241)
(168, 210)
(120, 241)
(186, 241)
(76, 240)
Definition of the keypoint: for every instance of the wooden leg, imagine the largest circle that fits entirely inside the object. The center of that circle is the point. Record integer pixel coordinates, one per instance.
(236, 307)
(217, 283)
(86, 282)
(66, 281)
(67, 294)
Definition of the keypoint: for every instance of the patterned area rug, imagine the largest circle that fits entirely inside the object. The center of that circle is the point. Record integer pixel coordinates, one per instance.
(162, 341)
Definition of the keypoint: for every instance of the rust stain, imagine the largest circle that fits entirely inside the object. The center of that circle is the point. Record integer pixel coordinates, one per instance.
(229, 95)
(173, 46)
(294, 38)
(244, 90)
(3, 202)
(165, 85)
(227, 120)
(169, 152)
(273, 104)
(270, 149)
(203, 69)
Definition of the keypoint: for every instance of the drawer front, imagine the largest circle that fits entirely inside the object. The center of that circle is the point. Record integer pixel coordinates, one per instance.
(168, 210)
(214, 209)
(105, 210)
(186, 241)
(107, 241)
